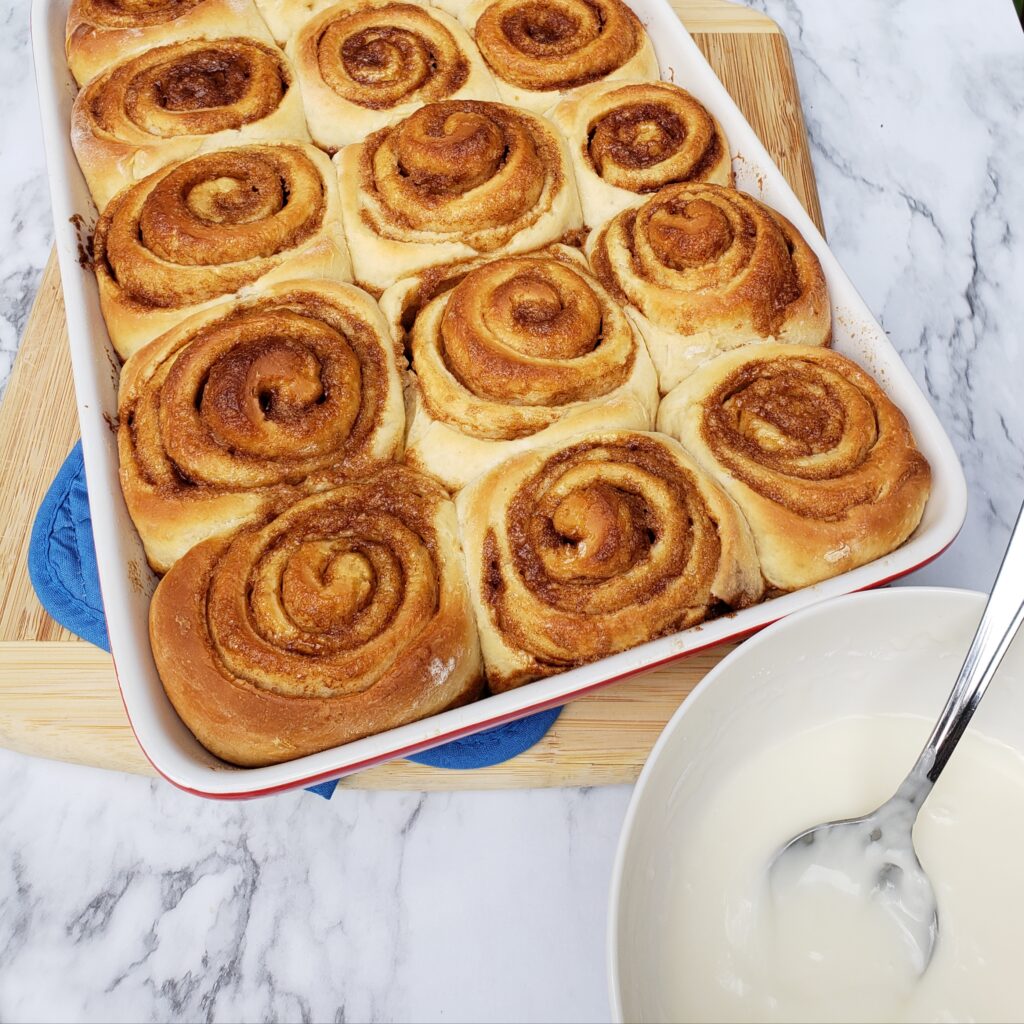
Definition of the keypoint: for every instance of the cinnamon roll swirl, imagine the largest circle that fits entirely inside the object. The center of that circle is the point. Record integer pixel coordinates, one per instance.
(453, 181)
(245, 407)
(523, 351)
(100, 33)
(211, 226)
(705, 268)
(595, 545)
(167, 103)
(820, 461)
(364, 64)
(540, 49)
(345, 616)
(629, 139)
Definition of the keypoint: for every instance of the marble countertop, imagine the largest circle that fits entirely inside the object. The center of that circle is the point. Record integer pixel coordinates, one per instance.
(123, 899)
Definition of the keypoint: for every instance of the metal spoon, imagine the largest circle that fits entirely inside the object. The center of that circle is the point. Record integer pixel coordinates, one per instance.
(874, 856)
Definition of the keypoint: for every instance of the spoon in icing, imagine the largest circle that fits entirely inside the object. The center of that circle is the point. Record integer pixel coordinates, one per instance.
(872, 858)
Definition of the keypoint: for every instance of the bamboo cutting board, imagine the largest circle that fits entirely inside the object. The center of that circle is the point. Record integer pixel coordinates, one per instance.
(58, 694)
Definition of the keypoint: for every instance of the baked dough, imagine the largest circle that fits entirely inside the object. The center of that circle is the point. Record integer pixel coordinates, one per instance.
(247, 406)
(629, 139)
(539, 50)
(704, 269)
(231, 221)
(453, 181)
(820, 461)
(345, 616)
(100, 33)
(170, 102)
(523, 352)
(364, 64)
(592, 546)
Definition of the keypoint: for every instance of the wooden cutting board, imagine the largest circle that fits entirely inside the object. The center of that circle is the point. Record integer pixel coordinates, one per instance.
(58, 694)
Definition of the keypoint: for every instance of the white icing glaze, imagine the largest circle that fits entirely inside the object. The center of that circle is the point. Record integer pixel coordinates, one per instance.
(819, 944)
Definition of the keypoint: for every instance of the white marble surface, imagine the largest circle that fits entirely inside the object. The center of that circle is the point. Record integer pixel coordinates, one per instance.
(122, 899)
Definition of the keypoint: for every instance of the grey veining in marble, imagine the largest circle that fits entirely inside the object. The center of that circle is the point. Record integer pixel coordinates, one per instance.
(122, 899)
(914, 116)
(26, 227)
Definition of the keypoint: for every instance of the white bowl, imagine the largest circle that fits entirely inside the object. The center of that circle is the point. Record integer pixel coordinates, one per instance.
(890, 651)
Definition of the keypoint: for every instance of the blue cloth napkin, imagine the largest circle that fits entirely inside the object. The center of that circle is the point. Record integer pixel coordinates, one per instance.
(62, 566)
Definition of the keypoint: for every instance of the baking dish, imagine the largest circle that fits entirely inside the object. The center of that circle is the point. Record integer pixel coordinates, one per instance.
(127, 582)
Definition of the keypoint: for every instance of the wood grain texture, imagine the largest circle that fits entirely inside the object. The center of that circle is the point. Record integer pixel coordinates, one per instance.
(38, 427)
(59, 699)
(58, 694)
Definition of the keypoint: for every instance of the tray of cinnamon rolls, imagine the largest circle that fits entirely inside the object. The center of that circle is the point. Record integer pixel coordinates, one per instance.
(438, 362)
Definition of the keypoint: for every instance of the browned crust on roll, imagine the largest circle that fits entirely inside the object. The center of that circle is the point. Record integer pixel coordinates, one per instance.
(163, 251)
(99, 33)
(587, 548)
(164, 104)
(727, 253)
(369, 60)
(243, 409)
(545, 45)
(453, 181)
(526, 331)
(364, 64)
(618, 156)
(630, 139)
(707, 269)
(211, 225)
(523, 351)
(195, 87)
(822, 463)
(428, 172)
(345, 616)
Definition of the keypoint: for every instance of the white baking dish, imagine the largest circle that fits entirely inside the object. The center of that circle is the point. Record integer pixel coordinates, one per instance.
(127, 582)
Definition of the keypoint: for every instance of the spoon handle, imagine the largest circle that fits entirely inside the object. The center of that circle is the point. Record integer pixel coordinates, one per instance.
(999, 623)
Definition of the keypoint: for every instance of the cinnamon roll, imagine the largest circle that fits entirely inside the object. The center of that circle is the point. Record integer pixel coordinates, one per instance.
(595, 545)
(540, 49)
(364, 64)
(822, 464)
(454, 180)
(100, 33)
(167, 103)
(705, 268)
(211, 226)
(345, 616)
(245, 407)
(629, 139)
(523, 351)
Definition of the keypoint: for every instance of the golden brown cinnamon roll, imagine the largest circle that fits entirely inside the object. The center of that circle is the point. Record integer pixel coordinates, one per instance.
(822, 464)
(453, 181)
(523, 351)
(364, 64)
(211, 226)
(101, 33)
(629, 139)
(595, 545)
(247, 406)
(345, 616)
(540, 49)
(703, 269)
(171, 101)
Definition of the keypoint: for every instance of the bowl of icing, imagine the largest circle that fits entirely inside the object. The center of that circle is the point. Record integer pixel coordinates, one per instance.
(819, 717)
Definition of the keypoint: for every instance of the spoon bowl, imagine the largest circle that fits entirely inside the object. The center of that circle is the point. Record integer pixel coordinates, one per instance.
(872, 858)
